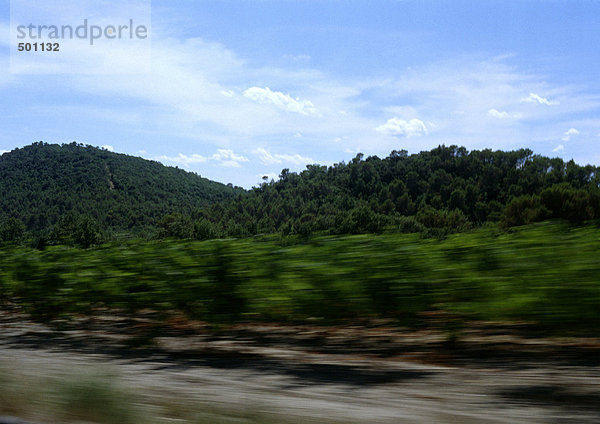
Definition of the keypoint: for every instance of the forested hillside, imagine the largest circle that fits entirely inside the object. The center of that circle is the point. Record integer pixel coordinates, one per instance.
(75, 194)
(43, 185)
(445, 189)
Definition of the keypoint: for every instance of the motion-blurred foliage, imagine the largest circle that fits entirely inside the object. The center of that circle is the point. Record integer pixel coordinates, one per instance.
(547, 274)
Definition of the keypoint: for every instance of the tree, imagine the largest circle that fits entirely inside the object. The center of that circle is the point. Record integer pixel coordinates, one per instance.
(524, 210)
(76, 230)
(458, 200)
(176, 225)
(11, 230)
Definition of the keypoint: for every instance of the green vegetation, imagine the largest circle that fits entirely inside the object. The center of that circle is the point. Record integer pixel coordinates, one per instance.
(547, 274)
(344, 242)
(445, 190)
(80, 196)
(75, 194)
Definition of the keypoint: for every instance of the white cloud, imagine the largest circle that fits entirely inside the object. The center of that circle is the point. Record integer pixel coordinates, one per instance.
(570, 133)
(353, 151)
(3, 151)
(534, 98)
(108, 147)
(558, 149)
(269, 158)
(223, 157)
(193, 93)
(227, 157)
(400, 127)
(497, 114)
(183, 159)
(280, 100)
(187, 88)
(456, 93)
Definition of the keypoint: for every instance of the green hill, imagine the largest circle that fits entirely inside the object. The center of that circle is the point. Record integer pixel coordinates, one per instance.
(42, 183)
(72, 193)
(443, 190)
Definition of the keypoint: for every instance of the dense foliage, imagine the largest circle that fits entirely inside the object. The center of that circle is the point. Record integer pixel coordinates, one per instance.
(443, 190)
(547, 274)
(74, 187)
(80, 195)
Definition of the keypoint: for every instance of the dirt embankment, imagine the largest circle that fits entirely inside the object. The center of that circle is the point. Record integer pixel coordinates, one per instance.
(187, 372)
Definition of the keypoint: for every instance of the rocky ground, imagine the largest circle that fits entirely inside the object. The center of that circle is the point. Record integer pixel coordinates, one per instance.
(187, 372)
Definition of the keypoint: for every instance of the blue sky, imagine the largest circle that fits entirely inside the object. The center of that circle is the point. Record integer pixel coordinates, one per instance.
(240, 89)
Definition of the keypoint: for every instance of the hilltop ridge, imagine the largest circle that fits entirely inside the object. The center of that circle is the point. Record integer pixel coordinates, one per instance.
(42, 182)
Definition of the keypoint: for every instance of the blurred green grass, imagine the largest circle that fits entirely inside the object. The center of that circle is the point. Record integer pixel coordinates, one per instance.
(546, 274)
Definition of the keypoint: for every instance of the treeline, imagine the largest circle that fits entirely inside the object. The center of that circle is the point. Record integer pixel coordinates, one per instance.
(51, 188)
(445, 190)
(83, 196)
(546, 274)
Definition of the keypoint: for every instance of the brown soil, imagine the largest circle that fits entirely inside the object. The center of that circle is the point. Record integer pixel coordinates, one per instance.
(373, 373)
